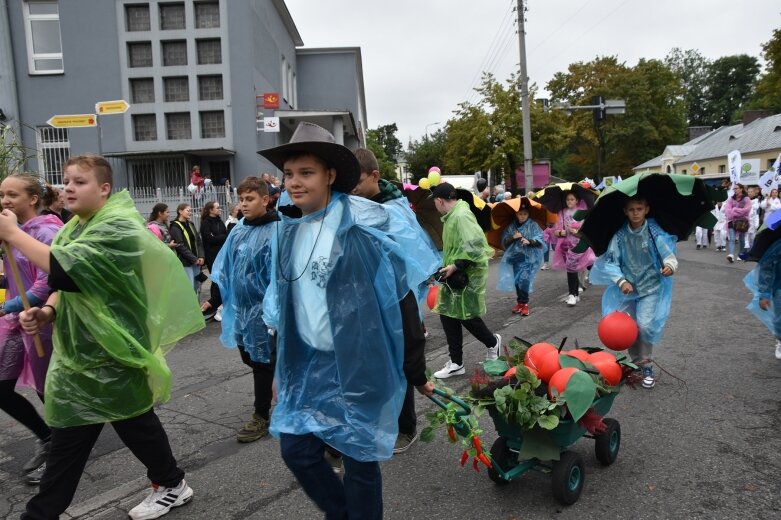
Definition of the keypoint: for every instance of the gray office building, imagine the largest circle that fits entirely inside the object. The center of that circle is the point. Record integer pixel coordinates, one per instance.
(196, 74)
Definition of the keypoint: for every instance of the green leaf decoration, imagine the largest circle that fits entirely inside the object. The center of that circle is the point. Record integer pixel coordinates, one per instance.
(580, 394)
(568, 361)
(427, 434)
(548, 422)
(538, 444)
(495, 367)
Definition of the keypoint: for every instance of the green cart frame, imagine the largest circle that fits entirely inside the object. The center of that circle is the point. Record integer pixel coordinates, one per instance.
(567, 473)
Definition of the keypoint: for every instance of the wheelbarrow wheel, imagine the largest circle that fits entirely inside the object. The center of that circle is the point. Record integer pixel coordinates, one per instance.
(607, 443)
(567, 478)
(501, 455)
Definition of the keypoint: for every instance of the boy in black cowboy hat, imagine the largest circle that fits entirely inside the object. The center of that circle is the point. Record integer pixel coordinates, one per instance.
(337, 301)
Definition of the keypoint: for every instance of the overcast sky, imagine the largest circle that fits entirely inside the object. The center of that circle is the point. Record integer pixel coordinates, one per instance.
(421, 58)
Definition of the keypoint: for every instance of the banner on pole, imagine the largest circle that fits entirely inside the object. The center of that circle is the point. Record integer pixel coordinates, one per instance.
(733, 162)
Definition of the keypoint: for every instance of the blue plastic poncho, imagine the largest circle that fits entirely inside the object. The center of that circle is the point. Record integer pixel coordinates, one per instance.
(520, 263)
(638, 257)
(423, 251)
(242, 270)
(764, 281)
(336, 284)
(135, 302)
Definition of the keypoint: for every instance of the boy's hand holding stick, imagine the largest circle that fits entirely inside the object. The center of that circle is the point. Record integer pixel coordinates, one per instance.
(22, 294)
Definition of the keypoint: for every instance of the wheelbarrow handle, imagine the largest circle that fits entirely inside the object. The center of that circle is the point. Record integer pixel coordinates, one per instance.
(465, 409)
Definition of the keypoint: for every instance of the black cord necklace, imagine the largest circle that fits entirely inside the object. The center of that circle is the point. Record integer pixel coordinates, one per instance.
(311, 253)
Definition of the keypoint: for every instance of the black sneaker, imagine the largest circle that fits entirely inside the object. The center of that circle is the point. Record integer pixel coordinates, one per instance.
(41, 451)
(34, 477)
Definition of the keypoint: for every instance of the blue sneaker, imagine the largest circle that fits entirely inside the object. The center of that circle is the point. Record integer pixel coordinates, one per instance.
(648, 376)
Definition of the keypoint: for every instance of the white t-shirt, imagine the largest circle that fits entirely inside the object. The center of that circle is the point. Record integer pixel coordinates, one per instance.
(309, 299)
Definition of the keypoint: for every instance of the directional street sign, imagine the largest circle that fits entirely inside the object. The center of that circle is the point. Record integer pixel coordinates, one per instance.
(73, 121)
(118, 106)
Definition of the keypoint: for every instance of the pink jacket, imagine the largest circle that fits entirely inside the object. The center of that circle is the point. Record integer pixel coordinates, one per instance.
(737, 209)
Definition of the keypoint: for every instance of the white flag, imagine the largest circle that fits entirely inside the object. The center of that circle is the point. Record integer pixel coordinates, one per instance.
(734, 163)
(768, 181)
(777, 165)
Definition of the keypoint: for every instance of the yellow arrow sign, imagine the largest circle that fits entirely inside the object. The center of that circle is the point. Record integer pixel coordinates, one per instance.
(73, 121)
(119, 106)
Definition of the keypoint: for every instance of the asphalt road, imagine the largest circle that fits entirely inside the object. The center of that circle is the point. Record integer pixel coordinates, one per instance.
(705, 443)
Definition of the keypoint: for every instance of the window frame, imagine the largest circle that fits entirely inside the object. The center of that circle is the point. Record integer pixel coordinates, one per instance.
(28, 34)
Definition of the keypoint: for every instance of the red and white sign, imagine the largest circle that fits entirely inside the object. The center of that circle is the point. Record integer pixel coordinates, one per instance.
(271, 124)
(271, 100)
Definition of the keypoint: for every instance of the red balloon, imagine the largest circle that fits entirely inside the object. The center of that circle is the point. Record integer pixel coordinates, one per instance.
(610, 371)
(431, 298)
(533, 357)
(549, 365)
(617, 330)
(560, 379)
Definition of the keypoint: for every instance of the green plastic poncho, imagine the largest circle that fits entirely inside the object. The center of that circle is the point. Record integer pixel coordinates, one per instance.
(135, 303)
(464, 239)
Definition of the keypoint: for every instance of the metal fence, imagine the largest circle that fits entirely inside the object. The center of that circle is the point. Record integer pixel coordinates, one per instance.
(146, 198)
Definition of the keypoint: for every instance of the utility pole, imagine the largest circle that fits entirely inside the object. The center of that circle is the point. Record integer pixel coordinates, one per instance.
(527, 132)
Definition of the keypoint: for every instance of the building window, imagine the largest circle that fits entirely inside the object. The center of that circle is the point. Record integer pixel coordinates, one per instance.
(42, 31)
(176, 89)
(207, 15)
(178, 125)
(212, 124)
(174, 53)
(722, 168)
(142, 90)
(702, 170)
(53, 150)
(209, 87)
(209, 51)
(139, 54)
(137, 18)
(171, 16)
(144, 127)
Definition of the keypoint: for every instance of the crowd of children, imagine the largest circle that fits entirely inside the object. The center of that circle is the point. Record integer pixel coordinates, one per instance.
(291, 283)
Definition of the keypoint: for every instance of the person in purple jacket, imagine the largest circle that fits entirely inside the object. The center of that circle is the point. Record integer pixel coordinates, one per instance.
(19, 362)
(737, 210)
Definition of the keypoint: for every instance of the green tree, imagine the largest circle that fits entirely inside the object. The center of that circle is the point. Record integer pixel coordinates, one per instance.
(387, 167)
(768, 90)
(422, 155)
(13, 153)
(386, 138)
(692, 69)
(731, 82)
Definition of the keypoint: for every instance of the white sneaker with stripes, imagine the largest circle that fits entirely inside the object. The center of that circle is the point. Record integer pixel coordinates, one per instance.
(160, 501)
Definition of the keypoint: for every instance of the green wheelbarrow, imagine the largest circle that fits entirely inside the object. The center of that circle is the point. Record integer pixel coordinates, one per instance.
(565, 467)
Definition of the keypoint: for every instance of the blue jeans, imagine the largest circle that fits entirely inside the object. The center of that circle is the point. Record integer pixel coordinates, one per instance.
(735, 237)
(192, 271)
(521, 286)
(358, 496)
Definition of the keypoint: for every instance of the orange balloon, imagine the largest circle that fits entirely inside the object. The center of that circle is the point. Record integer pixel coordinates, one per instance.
(533, 357)
(560, 379)
(610, 371)
(599, 356)
(431, 298)
(617, 330)
(549, 365)
(577, 354)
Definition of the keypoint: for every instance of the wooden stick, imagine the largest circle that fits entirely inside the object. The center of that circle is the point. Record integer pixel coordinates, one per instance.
(22, 294)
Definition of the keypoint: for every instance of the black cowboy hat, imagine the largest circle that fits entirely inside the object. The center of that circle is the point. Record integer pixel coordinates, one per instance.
(318, 141)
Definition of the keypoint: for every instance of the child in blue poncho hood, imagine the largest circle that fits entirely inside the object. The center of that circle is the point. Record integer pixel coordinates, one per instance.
(637, 267)
(524, 248)
(339, 284)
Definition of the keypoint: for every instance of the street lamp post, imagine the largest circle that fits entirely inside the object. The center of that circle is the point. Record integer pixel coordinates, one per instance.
(428, 125)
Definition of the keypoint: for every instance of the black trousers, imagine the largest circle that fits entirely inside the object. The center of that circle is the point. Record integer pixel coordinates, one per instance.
(572, 283)
(70, 449)
(215, 298)
(21, 409)
(455, 336)
(263, 379)
(408, 419)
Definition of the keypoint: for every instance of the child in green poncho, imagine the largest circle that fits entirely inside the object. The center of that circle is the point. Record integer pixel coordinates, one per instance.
(122, 300)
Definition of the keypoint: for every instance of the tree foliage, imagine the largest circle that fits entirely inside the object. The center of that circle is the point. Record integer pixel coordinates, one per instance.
(386, 137)
(731, 81)
(692, 69)
(387, 166)
(13, 154)
(424, 154)
(768, 88)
